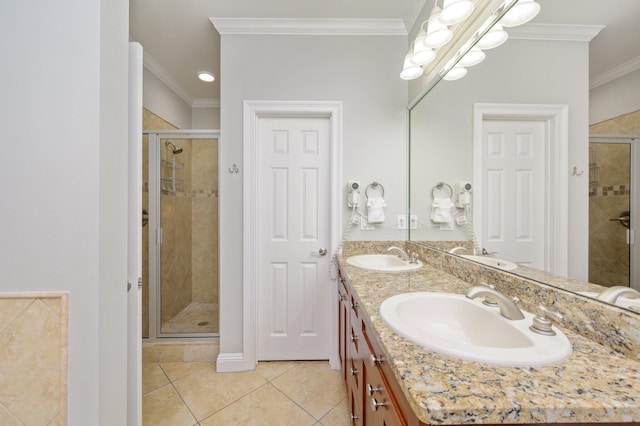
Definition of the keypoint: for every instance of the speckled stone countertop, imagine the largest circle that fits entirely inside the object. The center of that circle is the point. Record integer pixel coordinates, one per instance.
(595, 384)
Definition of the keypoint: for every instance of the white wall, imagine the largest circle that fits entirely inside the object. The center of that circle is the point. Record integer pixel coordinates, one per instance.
(520, 71)
(63, 112)
(158, 98)
(618, 97)
(205, 118)
(360, 71)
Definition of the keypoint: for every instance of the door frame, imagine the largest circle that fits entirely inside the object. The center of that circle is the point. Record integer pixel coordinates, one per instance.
(252, 111)
(556, 118)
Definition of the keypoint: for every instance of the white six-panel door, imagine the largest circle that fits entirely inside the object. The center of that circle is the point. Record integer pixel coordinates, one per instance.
(293, 285)
(514, 198)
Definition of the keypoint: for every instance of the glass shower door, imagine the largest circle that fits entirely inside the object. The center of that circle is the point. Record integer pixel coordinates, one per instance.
(183, 230)
(610, 177)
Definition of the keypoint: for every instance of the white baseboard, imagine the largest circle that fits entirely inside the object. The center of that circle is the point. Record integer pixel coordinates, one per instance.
(230, 362)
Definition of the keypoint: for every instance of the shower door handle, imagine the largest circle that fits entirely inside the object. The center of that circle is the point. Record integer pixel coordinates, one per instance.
(320, 252)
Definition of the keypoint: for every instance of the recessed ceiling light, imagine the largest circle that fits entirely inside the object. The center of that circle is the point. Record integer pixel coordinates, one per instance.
(206, 76)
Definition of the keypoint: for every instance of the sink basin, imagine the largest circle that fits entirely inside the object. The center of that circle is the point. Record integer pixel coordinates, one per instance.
(463, 328)
(505, 265)
(623, 302)
(382, 262)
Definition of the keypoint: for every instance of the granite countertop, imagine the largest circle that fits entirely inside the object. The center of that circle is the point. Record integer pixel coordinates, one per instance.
(595, 384)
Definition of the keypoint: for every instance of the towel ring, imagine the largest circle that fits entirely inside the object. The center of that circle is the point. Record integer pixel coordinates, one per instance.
(374, 185)
(441, 185)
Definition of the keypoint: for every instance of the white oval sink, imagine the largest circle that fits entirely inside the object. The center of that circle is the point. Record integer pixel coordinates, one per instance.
(463, 328)
(382, 262)
(505, 265)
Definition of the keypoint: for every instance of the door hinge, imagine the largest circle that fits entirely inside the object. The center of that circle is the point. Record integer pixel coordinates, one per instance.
(631, 240)
(139, 282)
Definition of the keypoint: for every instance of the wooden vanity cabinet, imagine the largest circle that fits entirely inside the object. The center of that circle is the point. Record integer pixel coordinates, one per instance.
(372, 398)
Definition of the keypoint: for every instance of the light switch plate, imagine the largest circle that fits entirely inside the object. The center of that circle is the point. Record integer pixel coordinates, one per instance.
(402, 221)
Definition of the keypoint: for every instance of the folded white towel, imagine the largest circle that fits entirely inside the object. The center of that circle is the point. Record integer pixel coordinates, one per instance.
(375, 210)
(441, 210)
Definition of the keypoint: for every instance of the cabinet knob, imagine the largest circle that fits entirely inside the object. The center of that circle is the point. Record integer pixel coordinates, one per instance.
(354, 371)
(372, 389)
(375, 404)
(375, 360)
(355, 305)
(354, 417)
(341, 297)
(354, 338)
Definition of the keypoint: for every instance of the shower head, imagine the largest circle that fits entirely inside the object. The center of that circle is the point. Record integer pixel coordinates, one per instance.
(174, 149)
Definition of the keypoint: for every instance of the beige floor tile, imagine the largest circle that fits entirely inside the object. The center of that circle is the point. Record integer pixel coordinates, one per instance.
(206, 391)
(266, 406)
(176, 370)
(152, 377)
(163, 407)
(312, 385)
(272, 369)
(338, 416)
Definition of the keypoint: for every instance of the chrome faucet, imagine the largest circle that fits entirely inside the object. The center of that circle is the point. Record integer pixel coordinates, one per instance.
(403, 254)
(457, 249)
(611, 294)
(508, 308)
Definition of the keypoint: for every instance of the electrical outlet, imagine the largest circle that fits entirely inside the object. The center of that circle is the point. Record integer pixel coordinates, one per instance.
(365, 225)
(413, 221)
(402, 221)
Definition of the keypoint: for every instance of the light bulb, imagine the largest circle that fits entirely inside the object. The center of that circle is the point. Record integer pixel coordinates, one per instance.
(521, 13)
(422, 55)
(472, 57)
(494, 38)
(455, 11)
(410, 71)
(437, 33)
(455, 73)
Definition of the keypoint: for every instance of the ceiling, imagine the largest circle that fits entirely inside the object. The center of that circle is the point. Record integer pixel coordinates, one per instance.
(179, 39)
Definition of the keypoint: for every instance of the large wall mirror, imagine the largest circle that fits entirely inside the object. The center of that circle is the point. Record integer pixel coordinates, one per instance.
(517, 129)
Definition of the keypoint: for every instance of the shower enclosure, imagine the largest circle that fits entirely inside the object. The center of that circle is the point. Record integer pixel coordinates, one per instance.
(612, 201)
(180, 234)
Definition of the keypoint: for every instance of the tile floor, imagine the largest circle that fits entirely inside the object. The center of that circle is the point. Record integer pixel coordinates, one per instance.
(275, 394)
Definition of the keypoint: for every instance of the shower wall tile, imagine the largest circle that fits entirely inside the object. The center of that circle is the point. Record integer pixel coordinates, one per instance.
(33, 359)
(205, 221)
(627, 124)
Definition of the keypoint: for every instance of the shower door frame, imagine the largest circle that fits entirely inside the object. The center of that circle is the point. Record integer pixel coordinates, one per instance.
(155, 275)
(634, 197)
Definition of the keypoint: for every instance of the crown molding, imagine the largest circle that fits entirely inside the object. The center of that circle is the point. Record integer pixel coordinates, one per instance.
(311, 26)
(205, 103)
(554, 32)
(615, 72)
(163, 75)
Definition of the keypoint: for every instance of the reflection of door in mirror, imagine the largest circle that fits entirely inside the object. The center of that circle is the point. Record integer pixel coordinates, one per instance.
(513, 184)
(610, 171)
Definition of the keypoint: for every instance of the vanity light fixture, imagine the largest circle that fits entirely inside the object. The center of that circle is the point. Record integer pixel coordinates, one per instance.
(455, 73)
(206, 76)
(437, 33)
(410, 71)
(494, 38)
(472, 57)
(521, 13)
(455, 11)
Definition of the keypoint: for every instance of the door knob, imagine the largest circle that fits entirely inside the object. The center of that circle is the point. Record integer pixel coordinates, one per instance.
(320, 252)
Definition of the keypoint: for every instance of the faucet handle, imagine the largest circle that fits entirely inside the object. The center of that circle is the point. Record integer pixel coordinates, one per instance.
(542, 321)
